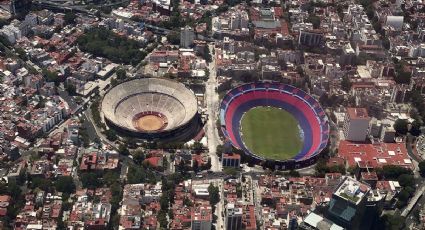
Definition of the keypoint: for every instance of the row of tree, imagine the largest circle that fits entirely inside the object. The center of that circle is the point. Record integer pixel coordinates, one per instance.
(116, 48)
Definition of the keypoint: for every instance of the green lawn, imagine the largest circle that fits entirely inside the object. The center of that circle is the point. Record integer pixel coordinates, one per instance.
(271, 132)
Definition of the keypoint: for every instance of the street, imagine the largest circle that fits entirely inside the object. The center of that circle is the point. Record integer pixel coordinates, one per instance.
(212, 102)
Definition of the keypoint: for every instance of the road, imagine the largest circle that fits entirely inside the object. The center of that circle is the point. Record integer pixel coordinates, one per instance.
(219, 211)
(212, 103)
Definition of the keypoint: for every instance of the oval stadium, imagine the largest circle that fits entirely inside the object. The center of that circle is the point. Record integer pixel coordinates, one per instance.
(152, 108)
(274, 123)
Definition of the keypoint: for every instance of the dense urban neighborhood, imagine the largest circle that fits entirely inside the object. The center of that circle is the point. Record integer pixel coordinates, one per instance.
(212, 114)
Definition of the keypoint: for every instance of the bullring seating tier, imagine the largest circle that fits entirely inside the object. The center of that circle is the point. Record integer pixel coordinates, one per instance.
(172, 99)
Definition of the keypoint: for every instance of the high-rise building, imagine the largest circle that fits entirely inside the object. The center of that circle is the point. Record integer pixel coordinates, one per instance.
(348, 204)
(233, 217)
(187, 35)
(202, 218)
(356, 124)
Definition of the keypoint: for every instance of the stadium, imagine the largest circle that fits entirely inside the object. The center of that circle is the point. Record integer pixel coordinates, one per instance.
(152, 109)
(263, 119)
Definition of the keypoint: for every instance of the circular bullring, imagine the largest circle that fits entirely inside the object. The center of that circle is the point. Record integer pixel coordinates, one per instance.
(150, 108)
(279, 101)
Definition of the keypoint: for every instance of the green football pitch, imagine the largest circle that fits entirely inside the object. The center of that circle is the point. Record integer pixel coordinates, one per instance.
(271, 133)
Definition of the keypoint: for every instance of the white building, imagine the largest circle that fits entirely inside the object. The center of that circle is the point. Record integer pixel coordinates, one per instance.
(11, 33)
(356, 124)
(396, 22)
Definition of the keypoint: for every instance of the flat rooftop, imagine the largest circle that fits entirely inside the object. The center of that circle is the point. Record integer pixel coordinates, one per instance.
(352, 190)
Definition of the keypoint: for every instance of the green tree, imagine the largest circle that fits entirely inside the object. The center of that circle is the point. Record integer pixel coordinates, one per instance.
(207, 54)
(65, 184)
(41, 183)
(401, 75)
(400, 126)
(214, 193)
(197, 146)
(110, 177)
(422, 168)
(294, 173)
(70, 88)
(51, 76)
(406, 180)
(230, 171)
(123, 150)
(111, 135)
(392, 172)
(315, 20)
(89, 180)
(174, 38)
(69, 18)
(195, 166)
(121, 74)
(138, 156)
(162, 219)
(346, 84)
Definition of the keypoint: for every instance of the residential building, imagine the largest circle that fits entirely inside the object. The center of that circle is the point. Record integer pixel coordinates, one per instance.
(348, 203)
(356, 124)
(202, 218)
(187, 35)
(233, 219)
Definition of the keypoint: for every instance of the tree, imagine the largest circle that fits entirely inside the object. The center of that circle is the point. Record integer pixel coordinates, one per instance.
(393, 222)
(406, 180)
(116, 48)
(195, 166)
(207, 54)
(41, 183)
(110, 177)
(422, 168)
(315, 20)
(386, 43)
(219, 150)
(89, 180)
(111, 135)
(123, 150)
(197, 146)
(346, 84)
(214, 193)
(174, 38)
(51, 76)
(392, 172)
(230, 171)
(400, 126)
(164, 201)
(69, 18)
(121, 74)
(70, 88)
(162, 219)
(294, 173)
(65, 184)
(415, 130)
(138, 156)
(401, 75)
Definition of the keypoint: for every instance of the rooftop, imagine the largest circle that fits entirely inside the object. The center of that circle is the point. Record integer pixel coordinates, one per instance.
(352, 190)
(374, 155)
(358, 113)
